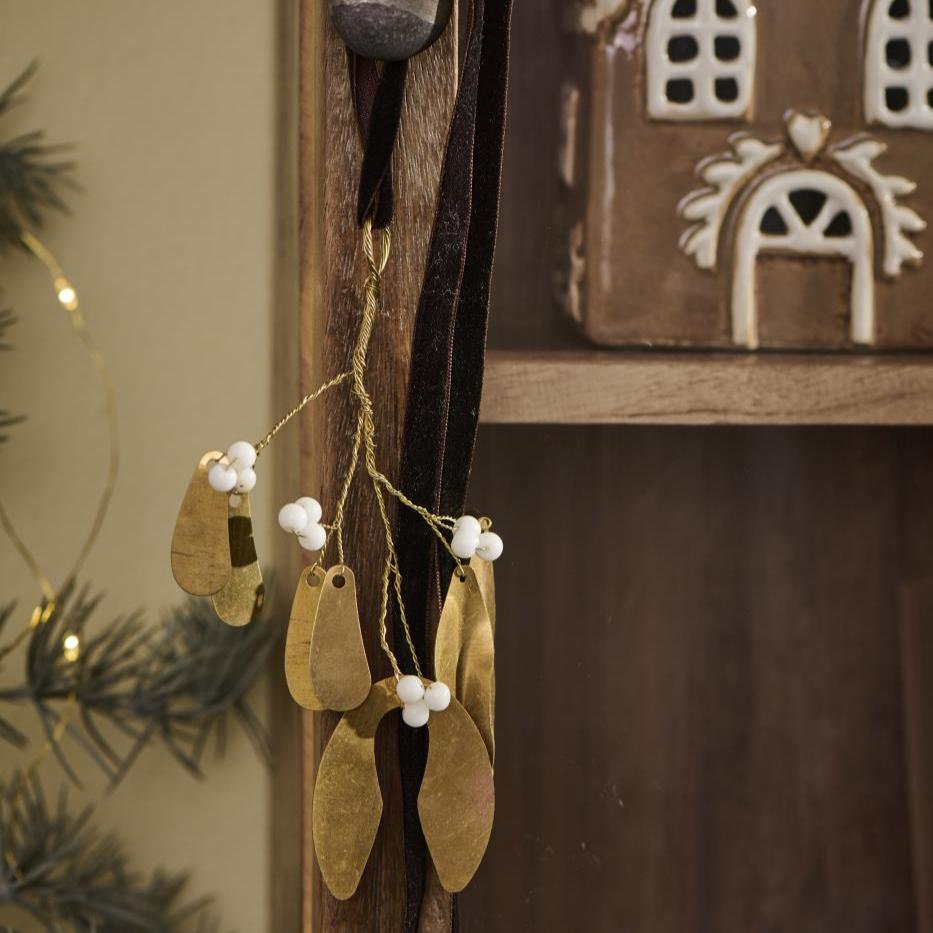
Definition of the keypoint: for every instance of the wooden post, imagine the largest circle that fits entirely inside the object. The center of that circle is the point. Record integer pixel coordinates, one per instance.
(331, 277)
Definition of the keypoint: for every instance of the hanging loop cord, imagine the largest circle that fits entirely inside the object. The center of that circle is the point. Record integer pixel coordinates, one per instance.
(378, 95)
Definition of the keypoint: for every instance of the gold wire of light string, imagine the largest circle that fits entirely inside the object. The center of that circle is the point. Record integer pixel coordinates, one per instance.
(68, 299)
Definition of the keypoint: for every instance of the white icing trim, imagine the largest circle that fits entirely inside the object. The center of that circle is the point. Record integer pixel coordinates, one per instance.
(856, 158)
(917, 78)
(704, 68)
(724, 174)
(803, 238)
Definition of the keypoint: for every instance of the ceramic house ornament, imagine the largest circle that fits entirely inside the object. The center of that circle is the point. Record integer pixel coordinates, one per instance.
(753, 167)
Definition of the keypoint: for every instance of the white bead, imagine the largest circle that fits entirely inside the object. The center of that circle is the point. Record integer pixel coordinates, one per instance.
(312, 507)
(245, 479)
(437, 696)
(242, 455)
(410, 689)
(490, 546)
(464, 543)
(293, 518)
(468, 522)
(416, 714)
(313, 537)
(221, 477)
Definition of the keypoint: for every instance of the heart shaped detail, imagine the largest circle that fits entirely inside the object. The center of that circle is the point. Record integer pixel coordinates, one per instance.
(808, 133)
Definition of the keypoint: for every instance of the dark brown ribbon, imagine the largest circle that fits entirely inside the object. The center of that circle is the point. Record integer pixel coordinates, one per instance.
(446, 376)
(449, 344)
(378, 96)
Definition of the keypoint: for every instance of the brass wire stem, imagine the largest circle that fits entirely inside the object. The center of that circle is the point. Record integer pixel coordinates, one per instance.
(391, 569)
(345, 491)
(310, 397)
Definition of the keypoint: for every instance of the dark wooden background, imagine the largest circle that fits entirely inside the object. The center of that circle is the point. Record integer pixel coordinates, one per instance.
(705, 645)
(714, 645)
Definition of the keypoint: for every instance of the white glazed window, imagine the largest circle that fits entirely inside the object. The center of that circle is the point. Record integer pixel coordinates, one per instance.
(899, 64)
(700, 59)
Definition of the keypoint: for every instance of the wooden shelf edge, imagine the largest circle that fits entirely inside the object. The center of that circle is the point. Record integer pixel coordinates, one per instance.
(706, 388)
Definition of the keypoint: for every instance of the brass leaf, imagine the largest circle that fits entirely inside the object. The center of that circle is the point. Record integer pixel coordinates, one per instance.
(464, 652)
(298, 639)
(244, 592)
(347, 804)
(200, 542)
(457, 798)
(340, 674)
(485, 577)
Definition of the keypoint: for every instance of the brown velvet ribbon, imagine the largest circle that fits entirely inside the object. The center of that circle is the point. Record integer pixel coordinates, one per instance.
(449, 343)
(446, 376)
(377, 96)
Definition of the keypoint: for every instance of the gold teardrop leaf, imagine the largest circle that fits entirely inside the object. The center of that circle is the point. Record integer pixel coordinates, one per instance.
(347, 805)
(298, 638)
(464, 652)
(243, 594)
(339, 670)
(200, 541)
(485, 577)
(457, 798)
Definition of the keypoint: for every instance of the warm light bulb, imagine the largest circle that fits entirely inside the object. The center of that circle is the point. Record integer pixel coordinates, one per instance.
(72, 647)
(67, 295)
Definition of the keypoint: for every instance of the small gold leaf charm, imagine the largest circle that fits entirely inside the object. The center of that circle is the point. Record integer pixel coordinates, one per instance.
(340, 674)
(200, 541)
(243, 594)
(457, 798)
(347, 805)
(298, 639)
(486, 578)
(464, 651)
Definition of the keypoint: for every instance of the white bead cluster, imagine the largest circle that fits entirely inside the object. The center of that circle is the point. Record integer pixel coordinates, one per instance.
(469, 539)
(234, 473)
(418, 701)
(303, 518)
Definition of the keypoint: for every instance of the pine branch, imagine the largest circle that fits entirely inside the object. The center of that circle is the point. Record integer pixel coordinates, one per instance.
(6, 321)
(58, 869)
(131, 684)
(32, 175)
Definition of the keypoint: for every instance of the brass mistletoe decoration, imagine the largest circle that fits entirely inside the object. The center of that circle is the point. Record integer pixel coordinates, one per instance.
(457, 799)
(326, 666)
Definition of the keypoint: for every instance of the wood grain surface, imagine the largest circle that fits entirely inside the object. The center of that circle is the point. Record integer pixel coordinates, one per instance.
(707, 388)
(331, 273)
(702, 721)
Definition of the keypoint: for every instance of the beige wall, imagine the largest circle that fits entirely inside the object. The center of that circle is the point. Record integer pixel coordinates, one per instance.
(172, 108)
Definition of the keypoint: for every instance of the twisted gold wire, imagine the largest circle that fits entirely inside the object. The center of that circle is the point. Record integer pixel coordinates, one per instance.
(310, 397)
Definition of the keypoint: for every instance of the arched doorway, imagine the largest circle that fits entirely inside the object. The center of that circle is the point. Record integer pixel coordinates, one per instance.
(809, 212)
